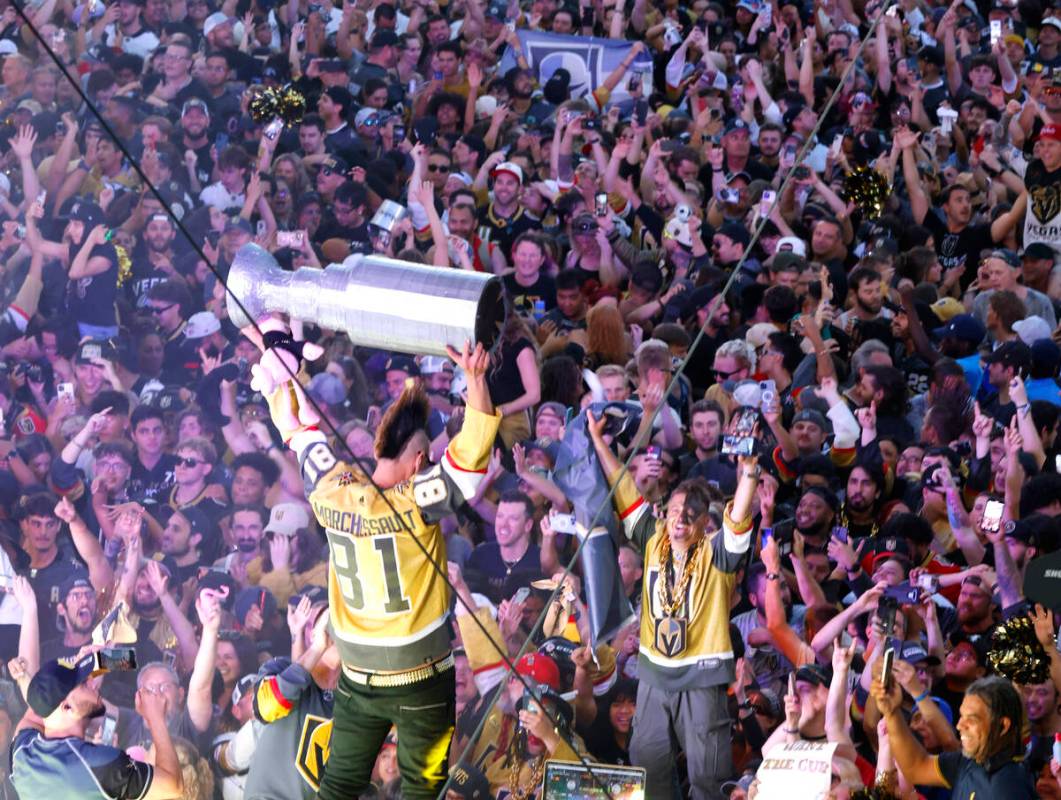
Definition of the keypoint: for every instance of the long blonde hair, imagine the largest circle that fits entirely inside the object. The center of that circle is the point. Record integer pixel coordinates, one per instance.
(195, 771)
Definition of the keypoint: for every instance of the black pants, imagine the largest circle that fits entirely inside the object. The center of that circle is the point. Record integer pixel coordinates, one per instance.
(424, 714)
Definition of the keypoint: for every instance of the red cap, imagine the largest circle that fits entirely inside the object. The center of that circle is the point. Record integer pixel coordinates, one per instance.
(1051, 132)
(541, 669)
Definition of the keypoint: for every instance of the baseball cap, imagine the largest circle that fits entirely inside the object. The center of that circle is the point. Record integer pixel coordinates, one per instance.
(337, 164)
(1046, 354)
(8, 47)
(432, 365)
(736, 124)
(316, 594)
(243, 686)
(815, 673)
(1054, 21)
(195, 102)
(29, 105)
(541, 669)
(78, 580)
(215, 20)
(791, 114)
(783, 261)
(980, 643)
(791, 244)
(811, 415)
(1031, 329)
(364, 115)
(79, 210)
(402, 364)
(250, 597)
(559, 410)
(947, 308)
(1011, 354)
(1050, 132)
(736, 233)
(89, 351)
(827, 495)
(512, 169)
(915, 653)
(287, 519)
(963, 326)
(237, 224)
(469, 782)
(885, 547)
(745, 783)
(55, 680)
(1037, 250)
(1006, 255)
(201, 324)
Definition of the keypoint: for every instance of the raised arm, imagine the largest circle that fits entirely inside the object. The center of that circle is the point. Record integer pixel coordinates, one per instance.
(200, 705)
(182, 628)
(918, 766)
(100, 574)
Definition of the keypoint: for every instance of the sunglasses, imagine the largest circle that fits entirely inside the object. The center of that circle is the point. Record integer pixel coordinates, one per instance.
(437, 168)
(189, 462)
(161, 309)
(725, 375)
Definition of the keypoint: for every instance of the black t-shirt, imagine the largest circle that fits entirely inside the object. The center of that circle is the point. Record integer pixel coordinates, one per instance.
(503, 231)
(91, 300)
(488, 571)
(960, 249)
(524, 297)
(562, 323)
(151, 486)
(504, 380)
(46, 582)
(181, 364)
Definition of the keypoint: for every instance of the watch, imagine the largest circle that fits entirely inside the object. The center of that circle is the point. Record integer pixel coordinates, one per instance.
(773, 576)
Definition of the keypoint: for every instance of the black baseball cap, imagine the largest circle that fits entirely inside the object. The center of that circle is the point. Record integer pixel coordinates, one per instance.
(55, 680)
(815, 673)
(1037, 250)
(77, 580)
(962, 326)
(1014, 354)
(402, 364)
(77, 209)
(92, 349)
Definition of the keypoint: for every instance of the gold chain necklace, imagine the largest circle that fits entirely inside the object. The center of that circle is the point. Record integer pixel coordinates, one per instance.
(537, 775)
(671, 603)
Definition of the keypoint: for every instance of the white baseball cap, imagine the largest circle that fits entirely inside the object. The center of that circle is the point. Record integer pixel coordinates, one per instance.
(287, 519)
(201, 325)
(792, 244)
(512, 169)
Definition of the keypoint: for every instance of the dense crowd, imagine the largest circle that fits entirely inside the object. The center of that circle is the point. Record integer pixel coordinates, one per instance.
(785, 275)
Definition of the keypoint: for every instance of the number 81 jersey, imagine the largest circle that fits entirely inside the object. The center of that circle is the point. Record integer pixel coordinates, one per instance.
(388, 604)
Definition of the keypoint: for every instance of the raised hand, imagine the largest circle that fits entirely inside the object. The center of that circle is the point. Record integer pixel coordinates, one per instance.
(65, 510)
(474, 362)
(23, 142)
(208, 607)
(158, 581)
(280, 551)
(1043, 620)
(298, 616)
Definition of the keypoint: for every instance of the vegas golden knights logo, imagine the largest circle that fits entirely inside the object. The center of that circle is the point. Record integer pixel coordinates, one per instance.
(313, 749)
(671, 633)
(1045, 202)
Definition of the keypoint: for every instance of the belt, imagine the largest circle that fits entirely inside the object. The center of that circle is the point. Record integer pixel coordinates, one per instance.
(389, 679)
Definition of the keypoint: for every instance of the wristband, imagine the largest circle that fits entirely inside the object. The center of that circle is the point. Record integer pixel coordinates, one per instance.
(921, 697)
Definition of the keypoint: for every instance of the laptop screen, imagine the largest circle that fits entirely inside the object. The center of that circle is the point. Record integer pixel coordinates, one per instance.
(565, 780)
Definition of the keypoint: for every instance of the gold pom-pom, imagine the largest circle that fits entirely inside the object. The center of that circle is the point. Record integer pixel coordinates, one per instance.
(1017, 654)
(292, 105)
(867, 189)
(125, 265)
(264, 105)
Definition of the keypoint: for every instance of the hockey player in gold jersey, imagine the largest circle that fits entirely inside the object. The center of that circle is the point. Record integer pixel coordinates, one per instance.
(685, 661)
(388, 603)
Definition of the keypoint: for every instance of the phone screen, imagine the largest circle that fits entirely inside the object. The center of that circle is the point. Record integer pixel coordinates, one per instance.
(886, 668)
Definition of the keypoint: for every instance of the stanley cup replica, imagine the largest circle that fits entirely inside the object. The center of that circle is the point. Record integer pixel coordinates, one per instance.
(379, 302)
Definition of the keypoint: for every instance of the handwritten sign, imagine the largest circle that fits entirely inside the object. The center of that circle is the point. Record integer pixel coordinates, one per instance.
(800, 769)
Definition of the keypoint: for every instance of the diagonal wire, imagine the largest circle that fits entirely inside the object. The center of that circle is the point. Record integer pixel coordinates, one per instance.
(808, 145)
(231, 298)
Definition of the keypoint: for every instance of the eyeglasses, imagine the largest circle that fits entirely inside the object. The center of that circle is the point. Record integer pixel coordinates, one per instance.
(111, 466)
(189, 462)
(438, 168)
(327, 171)
(158, 688)
(161, 309)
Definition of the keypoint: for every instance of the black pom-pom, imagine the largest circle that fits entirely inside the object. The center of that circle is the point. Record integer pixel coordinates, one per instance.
(292, 105)
(264, 105)
(1017, 654)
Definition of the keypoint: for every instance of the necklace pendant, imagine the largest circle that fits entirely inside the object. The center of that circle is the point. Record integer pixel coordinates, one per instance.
(671, 635)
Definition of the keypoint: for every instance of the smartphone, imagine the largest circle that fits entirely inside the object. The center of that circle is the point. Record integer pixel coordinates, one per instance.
(788, 156)
(110, 724)
(272, 130)
(261, 228)
(887, 608)
(655, 452)
(903, 594)
(65, 390)
(801, 173)
(633, 82)
(731, 196)
(563, 523)
(600, 204)
(886, 667)
(289, 239)
(42, 195)
(521, 594)
(767, 394)
(946, 119)
(641, 111)
(766, 202)
(929, 584)
(20, 232)
(113, 659)
(996, 31)
(840, 533)
(220, 142)
(741, 441)
(764, 537)
(992, 516)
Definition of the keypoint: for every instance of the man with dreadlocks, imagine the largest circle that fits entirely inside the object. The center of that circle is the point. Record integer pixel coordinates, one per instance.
(389, 600)
(991, 727)
(686, 657)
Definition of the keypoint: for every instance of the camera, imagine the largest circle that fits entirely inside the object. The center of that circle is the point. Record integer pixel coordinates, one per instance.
(682, 212)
